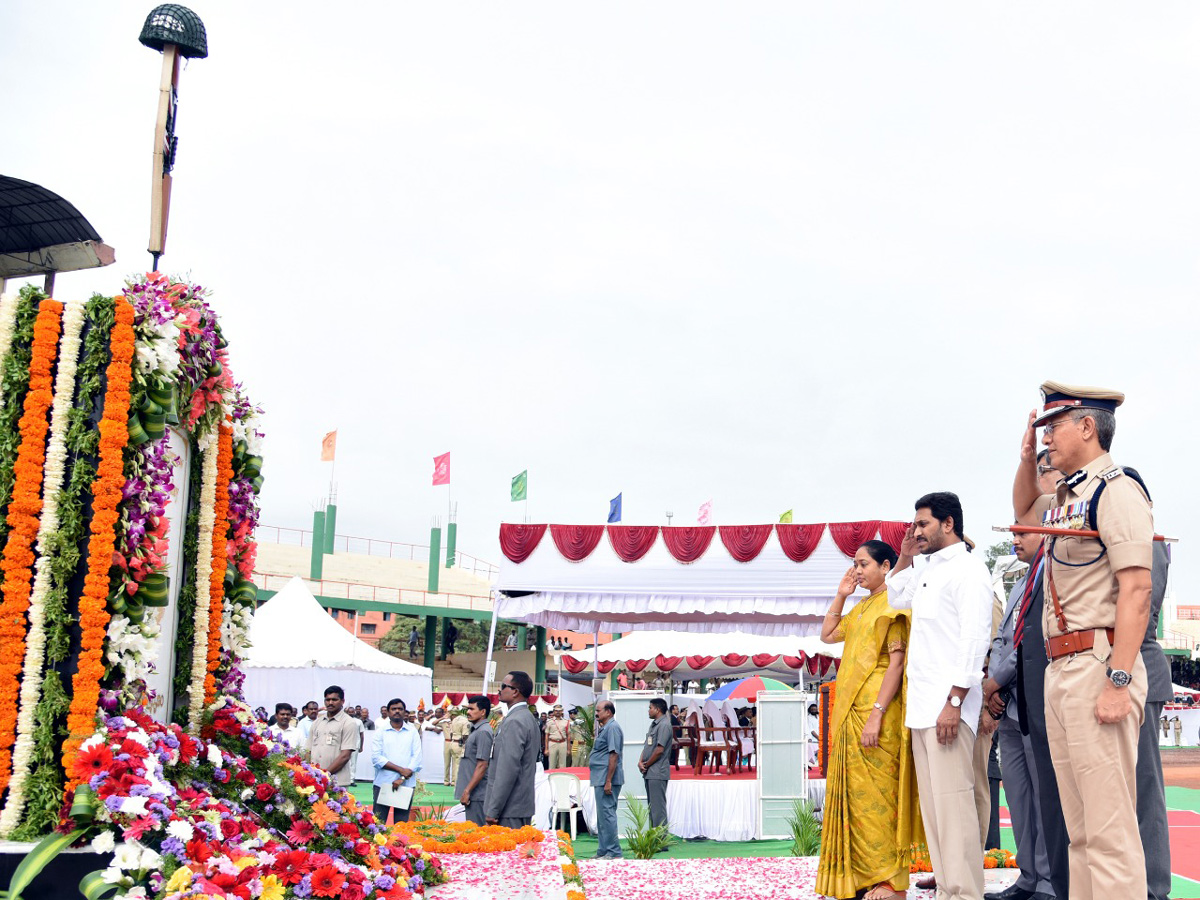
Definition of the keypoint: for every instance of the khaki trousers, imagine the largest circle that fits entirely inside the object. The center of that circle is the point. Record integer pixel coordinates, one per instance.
(450, 756)
(945, 783)
(558, 757)
(983, 788)
(1096, 767)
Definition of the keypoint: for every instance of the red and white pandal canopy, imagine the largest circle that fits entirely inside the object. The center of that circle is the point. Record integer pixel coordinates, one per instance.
(763, 579)
(719, 655)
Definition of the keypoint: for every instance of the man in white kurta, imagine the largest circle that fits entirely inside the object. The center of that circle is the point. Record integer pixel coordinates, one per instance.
(951, 602)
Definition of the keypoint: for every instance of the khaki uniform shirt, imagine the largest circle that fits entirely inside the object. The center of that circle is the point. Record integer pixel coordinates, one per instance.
(557, 731)
(460, 728)
(1088, 593)
(328, 738)
(444, 725)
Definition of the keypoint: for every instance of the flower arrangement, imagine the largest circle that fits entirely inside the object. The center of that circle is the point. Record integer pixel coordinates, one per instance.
(106, 496)
(466, 837)
(570, 869)
(921, 860)
(35, 643)
(219, 559)
(42, 791)
(87, 472)
(23, 518)
(999, 859)
(230, 813)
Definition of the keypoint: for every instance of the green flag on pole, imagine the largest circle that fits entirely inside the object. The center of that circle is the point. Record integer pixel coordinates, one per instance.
(520, 486)
(786, 518)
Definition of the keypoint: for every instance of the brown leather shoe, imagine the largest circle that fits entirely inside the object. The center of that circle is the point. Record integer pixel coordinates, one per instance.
(928, 883)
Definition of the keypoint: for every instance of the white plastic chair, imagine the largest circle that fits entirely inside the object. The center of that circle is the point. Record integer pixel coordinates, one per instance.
(566, 797)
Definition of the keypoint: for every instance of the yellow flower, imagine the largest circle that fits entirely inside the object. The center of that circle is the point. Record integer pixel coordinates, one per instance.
(245, 861)
(380, 838)
(181, 878)
(272, 888)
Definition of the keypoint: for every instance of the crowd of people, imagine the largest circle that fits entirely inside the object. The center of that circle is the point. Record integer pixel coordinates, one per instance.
(1066, 678)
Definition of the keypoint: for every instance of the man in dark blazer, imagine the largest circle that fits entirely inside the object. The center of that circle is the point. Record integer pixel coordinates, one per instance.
(1031, 711)
(513, 768)
(1151, 796)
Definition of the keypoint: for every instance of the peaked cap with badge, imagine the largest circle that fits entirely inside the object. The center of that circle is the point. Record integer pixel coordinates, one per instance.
(1058, 398)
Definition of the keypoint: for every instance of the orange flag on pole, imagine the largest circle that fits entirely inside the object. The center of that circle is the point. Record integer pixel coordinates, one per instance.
(441, 469)
(329, 446)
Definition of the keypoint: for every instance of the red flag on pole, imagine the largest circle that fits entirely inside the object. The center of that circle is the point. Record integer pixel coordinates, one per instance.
(441, 469)
(329, 446)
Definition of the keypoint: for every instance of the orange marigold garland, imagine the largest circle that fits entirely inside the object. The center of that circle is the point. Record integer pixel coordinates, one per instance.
(216, 581)
(23, 512)
(106, 496)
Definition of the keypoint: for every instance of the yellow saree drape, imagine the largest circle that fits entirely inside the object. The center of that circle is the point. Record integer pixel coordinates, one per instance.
(871, 816)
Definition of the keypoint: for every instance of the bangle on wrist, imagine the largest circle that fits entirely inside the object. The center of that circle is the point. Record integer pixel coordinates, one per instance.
(880, 708)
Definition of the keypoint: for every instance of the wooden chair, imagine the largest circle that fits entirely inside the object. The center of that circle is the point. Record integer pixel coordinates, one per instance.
(711, 746)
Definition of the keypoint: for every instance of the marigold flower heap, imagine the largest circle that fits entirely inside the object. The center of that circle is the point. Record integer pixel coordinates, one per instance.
(106, 496)
(23, 510)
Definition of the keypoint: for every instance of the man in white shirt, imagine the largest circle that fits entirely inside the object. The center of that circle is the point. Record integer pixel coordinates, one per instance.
(304, 726)
(285, 728)
(396, 755)
(951, 602)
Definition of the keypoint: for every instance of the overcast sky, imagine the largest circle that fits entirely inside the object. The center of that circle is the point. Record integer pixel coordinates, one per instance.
(778, 255)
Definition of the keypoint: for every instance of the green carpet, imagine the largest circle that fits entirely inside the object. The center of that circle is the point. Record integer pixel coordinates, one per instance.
(585, 848)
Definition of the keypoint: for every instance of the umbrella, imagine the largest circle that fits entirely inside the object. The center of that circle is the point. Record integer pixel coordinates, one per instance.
(747, 688)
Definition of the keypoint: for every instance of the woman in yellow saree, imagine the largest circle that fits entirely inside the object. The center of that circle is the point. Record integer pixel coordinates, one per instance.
(871, 816)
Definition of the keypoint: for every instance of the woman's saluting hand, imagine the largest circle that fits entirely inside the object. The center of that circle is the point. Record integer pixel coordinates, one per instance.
(849, 583)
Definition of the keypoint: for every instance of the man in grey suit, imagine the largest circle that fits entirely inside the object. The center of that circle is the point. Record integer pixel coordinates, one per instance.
(1019, 765)
(1151, 797)
(514, 756)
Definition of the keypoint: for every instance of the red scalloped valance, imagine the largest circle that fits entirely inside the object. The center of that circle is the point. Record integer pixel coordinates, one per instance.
(849, 536)
(762, 660)
(632, 542)
(636, 665)
(795, 662)
(687, 543)
(699, 662)
(799, 541)
(733, 660)
(549, 698)
(573, 665)
(518, 540)
(576, 542)
(744, 542)
(438, 697)
(667, 663)
(605, 667)
(893, 533)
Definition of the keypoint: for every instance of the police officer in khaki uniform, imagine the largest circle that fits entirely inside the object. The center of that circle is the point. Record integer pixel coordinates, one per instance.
(558, 739)
(455, 730)
(1097, 605)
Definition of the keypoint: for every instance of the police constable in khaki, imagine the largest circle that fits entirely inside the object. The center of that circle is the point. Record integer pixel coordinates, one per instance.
(558, 740)
(1097, 605)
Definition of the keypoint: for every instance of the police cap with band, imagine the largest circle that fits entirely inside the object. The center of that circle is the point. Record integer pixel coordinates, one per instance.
(1059, 398)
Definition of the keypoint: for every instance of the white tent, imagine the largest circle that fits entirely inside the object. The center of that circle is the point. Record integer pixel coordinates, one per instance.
(297, 650)
(767, 594)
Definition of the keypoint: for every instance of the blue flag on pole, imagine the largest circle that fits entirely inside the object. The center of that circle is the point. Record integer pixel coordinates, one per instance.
(614, 509)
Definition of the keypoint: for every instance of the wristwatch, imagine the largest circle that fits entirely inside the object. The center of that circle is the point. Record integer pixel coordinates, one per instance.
(955, 701)
(1119, 677)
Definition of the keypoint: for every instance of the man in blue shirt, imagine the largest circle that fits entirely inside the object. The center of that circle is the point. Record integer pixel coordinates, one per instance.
(396, 752)
(606, 775)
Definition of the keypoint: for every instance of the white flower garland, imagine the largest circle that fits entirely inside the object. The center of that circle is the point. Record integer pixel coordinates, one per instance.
(204, 545)
(55, 470)
(8, 325)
